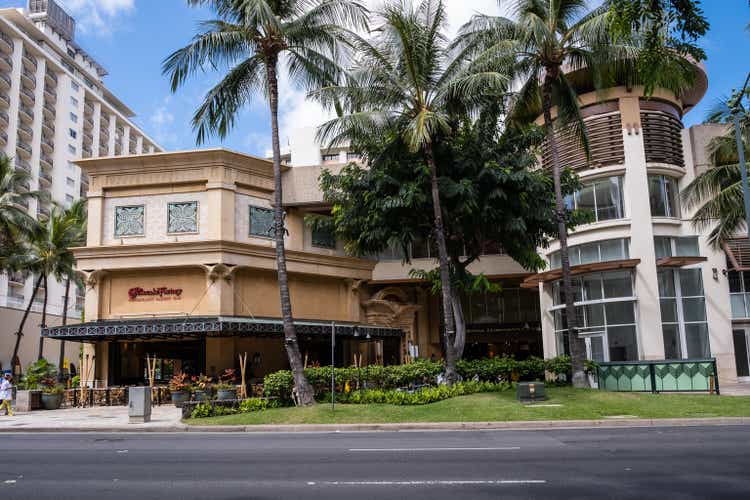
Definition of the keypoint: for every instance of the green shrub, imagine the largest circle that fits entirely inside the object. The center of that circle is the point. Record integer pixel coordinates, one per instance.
(36, 373)
(203, 410)
(279, 385)
(425, 395)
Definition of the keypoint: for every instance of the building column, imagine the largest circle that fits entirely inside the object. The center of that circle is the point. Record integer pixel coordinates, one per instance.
(95, 134)
(638, 208)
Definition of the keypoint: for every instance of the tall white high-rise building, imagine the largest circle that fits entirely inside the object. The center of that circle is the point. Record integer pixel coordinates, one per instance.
(54, 109)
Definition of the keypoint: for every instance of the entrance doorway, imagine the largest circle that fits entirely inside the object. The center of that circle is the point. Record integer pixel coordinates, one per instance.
(128, 360)
(741, 338)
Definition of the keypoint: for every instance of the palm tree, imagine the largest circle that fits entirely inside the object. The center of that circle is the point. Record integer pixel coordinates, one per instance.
(76, 213)
(547, 39)
(49, 255)
(15, 222)
(716, 194)
(406, 85)
(251, 38)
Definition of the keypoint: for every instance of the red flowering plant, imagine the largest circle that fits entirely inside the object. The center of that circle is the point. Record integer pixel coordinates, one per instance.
(228, 379)
(179, 383)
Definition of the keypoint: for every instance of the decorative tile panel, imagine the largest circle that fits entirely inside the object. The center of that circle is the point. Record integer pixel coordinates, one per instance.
(182, 217)
(261, 222)
(129, 221)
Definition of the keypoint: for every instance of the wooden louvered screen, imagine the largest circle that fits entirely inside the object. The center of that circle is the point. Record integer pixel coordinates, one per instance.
(605, 144)
(662, 138)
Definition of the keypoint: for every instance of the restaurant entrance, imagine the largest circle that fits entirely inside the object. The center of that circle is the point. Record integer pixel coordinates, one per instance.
(128, 360)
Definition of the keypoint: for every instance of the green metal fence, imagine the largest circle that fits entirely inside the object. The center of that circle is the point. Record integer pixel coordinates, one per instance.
(682, 375)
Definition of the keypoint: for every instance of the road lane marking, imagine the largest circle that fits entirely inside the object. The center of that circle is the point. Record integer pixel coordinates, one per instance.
(10, 481)
(467, 482)
(500, 448)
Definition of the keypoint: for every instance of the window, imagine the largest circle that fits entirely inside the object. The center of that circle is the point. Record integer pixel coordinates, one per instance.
(331, 157)
(74, 85)
(683, 314)
(71, 166)
(73, 134)
(129, 221)
(511, 305)
(598, 251)
(69, 199)
(739, 293)
(182, 217)
(70, 182)
(261, 222)
(72, 149)
(603, 197)
(605, 307)
(74, 101)
(683, 246)
(74, 117)
(663, 194)
(323, 237)
(353, 156)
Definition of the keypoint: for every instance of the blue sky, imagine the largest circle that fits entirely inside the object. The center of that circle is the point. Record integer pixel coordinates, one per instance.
(131, 37)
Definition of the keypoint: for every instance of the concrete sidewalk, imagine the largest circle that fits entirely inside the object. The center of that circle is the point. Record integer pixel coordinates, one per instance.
(167, 419)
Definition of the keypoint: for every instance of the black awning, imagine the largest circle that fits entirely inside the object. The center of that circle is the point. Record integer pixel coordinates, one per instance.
(206, 326)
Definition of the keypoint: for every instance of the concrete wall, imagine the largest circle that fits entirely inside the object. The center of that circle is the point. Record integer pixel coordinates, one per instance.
(29, 348)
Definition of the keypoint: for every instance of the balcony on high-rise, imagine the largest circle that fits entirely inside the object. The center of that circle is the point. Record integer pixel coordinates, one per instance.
(23, 165)
(23, 149)
(27, 97)
(4, 118)
(4, 81)
(51, 78)
(3, 138)
(26, 113)
(28, 78)
(6, 43)
(6, 63)
(48, 144)
(16, 278)
(4, 100)
(25, 132)
(49, 111)
(45, 161)
(29, 61)
(50, 94)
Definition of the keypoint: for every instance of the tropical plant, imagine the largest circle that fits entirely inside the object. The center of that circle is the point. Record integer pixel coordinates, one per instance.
(251, 38)
(547, 40)
(716, 193)
(15, 222)
(406, 87)
(179, 382)
(36, 373)
(49, 255)
(77, 215)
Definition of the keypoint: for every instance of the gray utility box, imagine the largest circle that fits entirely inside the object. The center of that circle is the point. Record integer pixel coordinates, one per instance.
(139, 405)
(528, 392)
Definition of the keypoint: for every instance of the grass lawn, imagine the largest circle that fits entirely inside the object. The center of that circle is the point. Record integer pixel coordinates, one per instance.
(574, 404)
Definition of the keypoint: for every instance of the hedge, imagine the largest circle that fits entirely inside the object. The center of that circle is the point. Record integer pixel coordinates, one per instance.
(279, 384)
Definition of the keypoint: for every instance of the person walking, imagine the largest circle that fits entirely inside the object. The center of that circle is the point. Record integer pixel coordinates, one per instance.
(6, 393)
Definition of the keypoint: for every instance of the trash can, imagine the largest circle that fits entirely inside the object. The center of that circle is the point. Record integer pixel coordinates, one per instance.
(139, 406)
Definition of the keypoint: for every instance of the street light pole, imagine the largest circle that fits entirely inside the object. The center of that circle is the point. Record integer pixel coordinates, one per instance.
(333, 366)
(737, 110)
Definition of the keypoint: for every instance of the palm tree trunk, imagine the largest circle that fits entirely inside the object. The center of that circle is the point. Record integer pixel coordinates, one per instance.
(19, 333)
(61, 358)
(44, 319)
(304, 390)
(445, 276)
(577, 346)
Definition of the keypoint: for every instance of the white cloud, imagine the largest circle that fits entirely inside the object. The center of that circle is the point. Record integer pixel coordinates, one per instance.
(98, 17)
(162, 123)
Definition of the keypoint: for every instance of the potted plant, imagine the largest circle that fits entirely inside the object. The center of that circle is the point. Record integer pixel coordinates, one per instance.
(227, 387)
(179, 388)
(202, 387)
(29, 394)
(52, 394)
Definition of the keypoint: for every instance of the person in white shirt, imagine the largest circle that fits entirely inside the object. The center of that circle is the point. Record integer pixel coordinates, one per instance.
(6, 394)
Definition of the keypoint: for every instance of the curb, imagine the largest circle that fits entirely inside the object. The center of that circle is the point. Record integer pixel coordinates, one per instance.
(432, 426)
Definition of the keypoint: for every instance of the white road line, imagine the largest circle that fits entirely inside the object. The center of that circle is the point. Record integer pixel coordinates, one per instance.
(434, 483)
(10, 481)
(502, 448)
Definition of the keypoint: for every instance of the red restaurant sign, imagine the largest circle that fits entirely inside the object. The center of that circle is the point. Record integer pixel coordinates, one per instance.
(161, 293)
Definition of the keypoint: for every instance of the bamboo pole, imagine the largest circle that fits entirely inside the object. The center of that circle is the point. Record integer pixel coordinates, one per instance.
(243, 367)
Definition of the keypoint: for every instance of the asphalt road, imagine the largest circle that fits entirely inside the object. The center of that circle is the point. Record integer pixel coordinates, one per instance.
(664, 463)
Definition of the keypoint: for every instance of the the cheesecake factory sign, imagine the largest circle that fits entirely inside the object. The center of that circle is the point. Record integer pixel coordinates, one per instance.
(160, 294)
